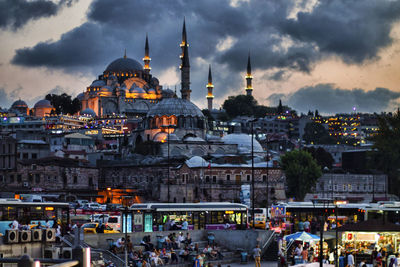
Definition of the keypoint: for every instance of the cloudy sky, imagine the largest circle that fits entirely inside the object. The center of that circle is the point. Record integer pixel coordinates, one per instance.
(329, 55)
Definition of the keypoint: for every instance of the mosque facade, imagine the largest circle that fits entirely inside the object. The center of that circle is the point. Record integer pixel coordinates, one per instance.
(125, 87)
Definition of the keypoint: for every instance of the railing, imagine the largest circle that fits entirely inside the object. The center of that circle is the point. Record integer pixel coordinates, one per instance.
(268, 241)
(26, 261)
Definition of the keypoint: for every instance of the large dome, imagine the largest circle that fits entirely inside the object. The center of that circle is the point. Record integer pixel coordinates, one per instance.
(124, 65)
(44, 103)
(243, 141)
(19, 104)
(175, 106)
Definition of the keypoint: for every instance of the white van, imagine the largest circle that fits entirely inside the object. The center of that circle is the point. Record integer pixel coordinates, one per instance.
(114, 222)
(31, 198)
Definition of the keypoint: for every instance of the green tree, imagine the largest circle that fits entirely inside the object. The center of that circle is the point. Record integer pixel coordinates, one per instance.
(317, 134)
(64, 103)
(323, 158)
(386, 155)
(240, 105)
(302, 173)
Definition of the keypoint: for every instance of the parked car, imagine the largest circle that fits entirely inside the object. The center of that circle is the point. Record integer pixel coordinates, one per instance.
(93, 228)
(81, 202)
(114, 206)
(92, 206)
(100, 218)
(114, 222)
(103, 207)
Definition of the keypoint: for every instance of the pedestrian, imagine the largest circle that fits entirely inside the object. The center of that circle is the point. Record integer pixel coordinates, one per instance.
(350, 260)
(184, 225)
(257, 256)
(304, 255)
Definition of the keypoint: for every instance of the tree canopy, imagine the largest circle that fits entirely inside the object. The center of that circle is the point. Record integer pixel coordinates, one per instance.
(244, 105)
(386, 156)
(64, 104)
(317, 134)
(302, 173)
(323, 158)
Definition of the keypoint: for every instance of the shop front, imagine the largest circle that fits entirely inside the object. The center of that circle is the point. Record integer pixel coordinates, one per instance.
(364, 237)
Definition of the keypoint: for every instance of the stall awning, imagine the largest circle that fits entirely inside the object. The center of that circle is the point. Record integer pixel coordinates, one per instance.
(377, 225)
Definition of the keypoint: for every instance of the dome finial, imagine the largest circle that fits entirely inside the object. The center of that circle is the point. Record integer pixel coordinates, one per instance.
(125, 53)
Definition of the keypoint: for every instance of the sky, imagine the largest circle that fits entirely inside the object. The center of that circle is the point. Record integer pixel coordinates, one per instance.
(330, 55)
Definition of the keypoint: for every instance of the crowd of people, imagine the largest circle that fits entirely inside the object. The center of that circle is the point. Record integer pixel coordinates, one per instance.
(170, 249)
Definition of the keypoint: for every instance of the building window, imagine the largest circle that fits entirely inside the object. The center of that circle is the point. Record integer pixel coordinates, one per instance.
(207, 179)
(75, 179)
(214, 179)
(183, 178)
(19, 178)
(37, 178)
(264, 178)
(48, 179)
(30, 177)
(90, 181)
(248, 177)
(228, 177)
(12, 178)
(25, 155)
(34, 156)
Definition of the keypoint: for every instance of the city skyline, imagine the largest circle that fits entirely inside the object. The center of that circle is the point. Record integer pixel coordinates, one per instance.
(330, 56)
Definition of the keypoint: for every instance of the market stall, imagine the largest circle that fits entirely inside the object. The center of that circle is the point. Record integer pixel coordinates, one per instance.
(363, 237)
(307, 240)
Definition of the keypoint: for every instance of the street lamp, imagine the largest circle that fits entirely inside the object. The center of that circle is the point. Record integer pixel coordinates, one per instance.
(168, 127)
(325, 204)
(252, 171)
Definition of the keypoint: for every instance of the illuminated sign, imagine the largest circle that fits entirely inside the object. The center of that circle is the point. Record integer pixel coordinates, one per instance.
(92, 132)
(229, 212)
(49, 208)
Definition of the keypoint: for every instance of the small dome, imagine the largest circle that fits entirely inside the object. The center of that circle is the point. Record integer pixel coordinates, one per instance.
(97, 83)
(44, 103)
(243, 141)
(137, 90)
(196, 161)
(124, 65)
(80, 96)
(88, 112)
(175, 106)
(152, 91)
(19, 104)
(194, 139)
(163, 137)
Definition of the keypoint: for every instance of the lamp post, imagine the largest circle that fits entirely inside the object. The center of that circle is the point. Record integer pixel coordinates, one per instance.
(252, 172)
(168, 127)
(325, 203)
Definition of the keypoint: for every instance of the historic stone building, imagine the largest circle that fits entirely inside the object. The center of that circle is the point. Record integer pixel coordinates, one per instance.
(198, 180)
(52, 175)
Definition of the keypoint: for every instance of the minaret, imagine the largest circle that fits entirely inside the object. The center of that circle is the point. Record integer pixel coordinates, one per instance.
(146, 58)
(249, 87)
(210, 87)
(185, 66)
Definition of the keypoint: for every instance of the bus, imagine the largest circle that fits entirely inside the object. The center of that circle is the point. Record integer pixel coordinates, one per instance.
(30, 213)
(149, 217)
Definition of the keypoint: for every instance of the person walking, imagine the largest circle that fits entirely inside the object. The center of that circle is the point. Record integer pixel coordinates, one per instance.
(257, 256)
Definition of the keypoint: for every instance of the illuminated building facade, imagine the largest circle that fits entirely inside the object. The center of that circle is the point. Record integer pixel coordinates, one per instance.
(125, 87)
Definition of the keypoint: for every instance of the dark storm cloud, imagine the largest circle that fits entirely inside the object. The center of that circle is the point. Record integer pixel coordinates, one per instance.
(354, 30)
(75, 48)
(329, 100)
(16, 13)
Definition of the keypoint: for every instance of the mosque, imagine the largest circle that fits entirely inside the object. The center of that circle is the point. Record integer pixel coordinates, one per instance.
(127, 87)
